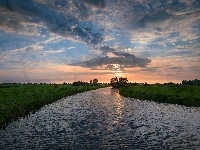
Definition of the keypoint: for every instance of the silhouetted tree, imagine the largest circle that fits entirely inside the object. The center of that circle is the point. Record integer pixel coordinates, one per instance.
(80, 83)
(95, 81)
(123, 81)
(191, 82)
(115, 83)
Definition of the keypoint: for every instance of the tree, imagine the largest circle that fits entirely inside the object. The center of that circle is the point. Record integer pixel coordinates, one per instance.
(115, 83)
(123, 81)
(90, 82)
(95, 81)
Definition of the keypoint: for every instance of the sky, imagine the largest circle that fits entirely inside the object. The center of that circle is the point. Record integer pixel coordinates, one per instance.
(56, 41)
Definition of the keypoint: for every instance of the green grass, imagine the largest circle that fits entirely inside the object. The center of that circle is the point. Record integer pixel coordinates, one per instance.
(177, 94)
(18, 101)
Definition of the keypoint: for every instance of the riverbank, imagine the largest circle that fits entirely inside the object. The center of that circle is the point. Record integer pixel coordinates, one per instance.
(175, 94)
(20, 100)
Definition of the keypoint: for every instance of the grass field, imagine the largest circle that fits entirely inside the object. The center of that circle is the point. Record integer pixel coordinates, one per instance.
(176, 94)
(19, 100)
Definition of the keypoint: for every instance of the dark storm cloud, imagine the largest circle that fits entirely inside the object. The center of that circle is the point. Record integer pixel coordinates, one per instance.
(63, 24)
(124, 60)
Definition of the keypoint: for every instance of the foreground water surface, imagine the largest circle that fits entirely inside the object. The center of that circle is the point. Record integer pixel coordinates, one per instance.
(102, 119)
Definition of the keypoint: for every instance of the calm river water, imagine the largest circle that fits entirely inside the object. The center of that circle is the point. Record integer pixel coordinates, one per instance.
(102, 119)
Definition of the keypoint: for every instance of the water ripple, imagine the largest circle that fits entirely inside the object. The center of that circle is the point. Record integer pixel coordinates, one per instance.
(102, 119)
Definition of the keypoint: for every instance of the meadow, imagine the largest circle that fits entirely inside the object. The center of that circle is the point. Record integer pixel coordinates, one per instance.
(19, 100)
(188, 95)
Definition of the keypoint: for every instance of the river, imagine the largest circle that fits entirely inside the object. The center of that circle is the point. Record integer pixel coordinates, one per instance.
(102, 119)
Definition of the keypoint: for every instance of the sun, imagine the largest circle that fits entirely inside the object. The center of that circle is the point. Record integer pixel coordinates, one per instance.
(120, 74)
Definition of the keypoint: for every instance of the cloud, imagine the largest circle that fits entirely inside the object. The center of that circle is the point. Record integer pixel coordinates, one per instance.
(150, 69)
(121, 61)
(97, 3)
(52, 52)
(182, 53)
(154, 18)
(107, 49)
(70, 47)
(8, 4)
(176, 68)
(66, 25)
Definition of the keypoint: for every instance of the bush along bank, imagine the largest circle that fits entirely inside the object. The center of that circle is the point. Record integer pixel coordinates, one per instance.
(19, 101)
(182, 95)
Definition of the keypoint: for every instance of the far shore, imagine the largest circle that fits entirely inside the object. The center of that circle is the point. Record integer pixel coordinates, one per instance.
(187, 95)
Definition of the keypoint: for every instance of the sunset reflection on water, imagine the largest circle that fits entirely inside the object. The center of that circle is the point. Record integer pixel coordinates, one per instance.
(118, 106)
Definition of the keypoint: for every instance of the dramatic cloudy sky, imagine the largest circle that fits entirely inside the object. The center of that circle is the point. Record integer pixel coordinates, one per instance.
(71, 40)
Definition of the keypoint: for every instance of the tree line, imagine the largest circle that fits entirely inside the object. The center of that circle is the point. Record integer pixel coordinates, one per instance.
(92, 82)
(191, 82)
